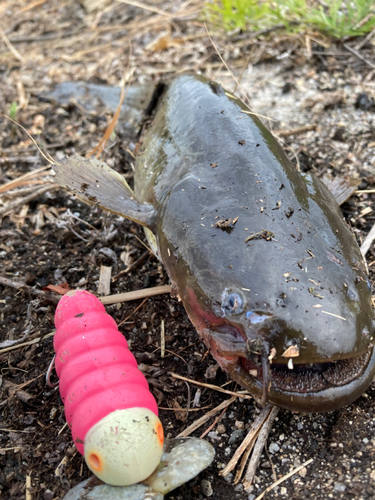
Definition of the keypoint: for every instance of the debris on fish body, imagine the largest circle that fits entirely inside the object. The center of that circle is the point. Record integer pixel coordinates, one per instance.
(182, 460)
(268, 272)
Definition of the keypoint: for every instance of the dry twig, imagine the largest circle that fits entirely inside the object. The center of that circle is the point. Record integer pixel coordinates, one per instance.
(10, 46)
(22, 201)
(104, 286)
(195, 425)
(28, 486)
(365, 247)
(357, 54)
(249, 439)
(258, 448)
(284, 478)
(137, 294)
(243, 395)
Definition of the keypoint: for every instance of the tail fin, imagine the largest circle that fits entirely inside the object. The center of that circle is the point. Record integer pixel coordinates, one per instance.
(98, 184)
(91, 97)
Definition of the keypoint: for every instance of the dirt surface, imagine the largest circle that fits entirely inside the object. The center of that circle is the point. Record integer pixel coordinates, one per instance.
(48, 237)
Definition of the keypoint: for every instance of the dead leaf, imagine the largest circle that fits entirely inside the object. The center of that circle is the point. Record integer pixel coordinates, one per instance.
(60, 289)
(179, 412)
(163, 43)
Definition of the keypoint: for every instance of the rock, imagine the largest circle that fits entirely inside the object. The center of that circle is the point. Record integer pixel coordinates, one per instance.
(340, 487)
(274, 448)
(206, 488)
(236, 435)
(48, 495)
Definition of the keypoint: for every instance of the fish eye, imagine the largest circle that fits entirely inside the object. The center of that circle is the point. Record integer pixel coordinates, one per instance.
(232, 301)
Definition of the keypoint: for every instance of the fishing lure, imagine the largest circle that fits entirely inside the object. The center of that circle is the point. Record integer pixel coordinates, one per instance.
(108, 406)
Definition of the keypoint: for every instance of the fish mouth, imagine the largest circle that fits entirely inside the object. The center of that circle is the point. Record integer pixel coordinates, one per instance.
(310, 378)
(313, 387)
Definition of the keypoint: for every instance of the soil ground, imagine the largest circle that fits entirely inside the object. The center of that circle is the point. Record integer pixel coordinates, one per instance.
(49, 237)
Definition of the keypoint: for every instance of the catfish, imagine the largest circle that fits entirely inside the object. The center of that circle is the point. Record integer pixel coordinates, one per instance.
(268, 271)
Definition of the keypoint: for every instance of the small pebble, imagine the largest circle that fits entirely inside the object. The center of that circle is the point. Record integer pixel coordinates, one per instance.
(339, 487)
(220, 428)
(236, 435)
(303, 472)
(365, 440)
(206, 488)
(274, 448)
(53, 413)
(48, 495)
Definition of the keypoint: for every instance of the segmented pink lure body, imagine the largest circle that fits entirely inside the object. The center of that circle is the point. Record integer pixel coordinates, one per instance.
(98, 374)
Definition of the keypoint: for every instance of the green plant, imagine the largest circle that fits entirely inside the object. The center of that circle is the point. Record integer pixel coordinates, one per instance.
(237, 13)
(337, 18)
(344, 18)
(13, 108)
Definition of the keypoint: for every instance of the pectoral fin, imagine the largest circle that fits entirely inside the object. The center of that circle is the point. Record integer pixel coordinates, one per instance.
(96, 183)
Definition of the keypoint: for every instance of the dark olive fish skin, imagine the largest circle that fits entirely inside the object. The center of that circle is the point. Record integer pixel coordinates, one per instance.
(259, 254)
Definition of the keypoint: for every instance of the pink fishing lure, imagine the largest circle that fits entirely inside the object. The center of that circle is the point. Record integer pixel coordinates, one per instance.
(98, 374)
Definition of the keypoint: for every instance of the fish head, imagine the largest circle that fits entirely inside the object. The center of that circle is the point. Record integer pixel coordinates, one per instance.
(291, 323)
(311, 362)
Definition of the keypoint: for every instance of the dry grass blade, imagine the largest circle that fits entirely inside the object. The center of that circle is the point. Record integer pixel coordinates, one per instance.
(29, 342)
(22, 201)
(258, 448)
(10, 46)
(162, 339)
(141, 5)
(284, 478)
(97, 150)
(226, 65)
(217, 419)
(365, 191)
(334, 315)
(137, 294)
(47, 156)
(17, 388)
(37, 3)
(243, 395)
(23, 179)
(357, 54)
(244, 459)
(28, 487)
(365, 247)
(133, 312)
(295, 131)
(18, 346)
(200, 421)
